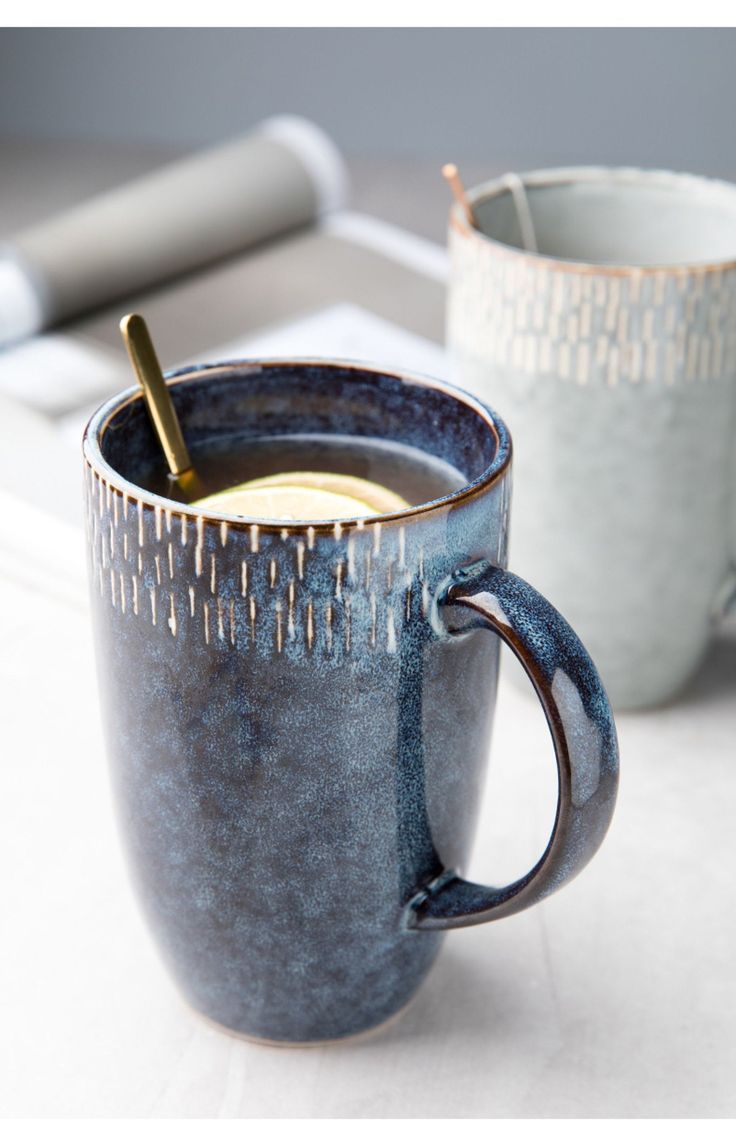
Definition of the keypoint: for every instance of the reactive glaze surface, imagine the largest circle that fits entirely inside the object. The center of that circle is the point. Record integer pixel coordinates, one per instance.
(295, 750)
(297, 732)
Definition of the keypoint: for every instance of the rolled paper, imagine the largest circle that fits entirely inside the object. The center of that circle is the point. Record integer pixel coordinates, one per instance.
(213, 204)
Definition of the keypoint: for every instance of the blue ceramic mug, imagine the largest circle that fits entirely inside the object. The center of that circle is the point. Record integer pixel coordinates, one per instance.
(298, 715)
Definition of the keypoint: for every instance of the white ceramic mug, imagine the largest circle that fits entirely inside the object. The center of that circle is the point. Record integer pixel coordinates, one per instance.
(609, 347)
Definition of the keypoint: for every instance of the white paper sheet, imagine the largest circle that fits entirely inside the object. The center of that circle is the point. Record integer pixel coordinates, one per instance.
(346, 331)
(59, 372)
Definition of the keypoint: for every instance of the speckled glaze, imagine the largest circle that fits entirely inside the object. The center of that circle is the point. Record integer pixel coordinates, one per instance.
(612, 356)
(298, 716)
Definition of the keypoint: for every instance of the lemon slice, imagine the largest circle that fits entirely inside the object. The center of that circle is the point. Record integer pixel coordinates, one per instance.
(308, 495)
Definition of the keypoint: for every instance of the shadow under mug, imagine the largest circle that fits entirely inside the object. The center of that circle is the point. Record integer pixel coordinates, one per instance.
(610, 347)
(298, 714)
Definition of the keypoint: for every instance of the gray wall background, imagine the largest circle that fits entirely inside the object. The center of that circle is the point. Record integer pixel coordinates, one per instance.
(506, 97)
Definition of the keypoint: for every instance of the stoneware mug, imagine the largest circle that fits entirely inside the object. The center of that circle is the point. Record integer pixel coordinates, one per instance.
(596, 309)
(298, 714)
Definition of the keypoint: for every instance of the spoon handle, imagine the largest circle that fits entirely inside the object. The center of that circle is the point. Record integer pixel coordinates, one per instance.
(155, 390)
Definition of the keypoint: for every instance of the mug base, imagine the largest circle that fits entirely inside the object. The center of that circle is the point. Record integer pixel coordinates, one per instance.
(308, 1044)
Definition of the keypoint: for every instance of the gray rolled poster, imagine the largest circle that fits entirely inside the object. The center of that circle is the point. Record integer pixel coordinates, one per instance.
(282, 175)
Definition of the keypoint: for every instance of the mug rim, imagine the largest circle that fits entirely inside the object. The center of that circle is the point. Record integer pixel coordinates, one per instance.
(99, 421)
(554, 176)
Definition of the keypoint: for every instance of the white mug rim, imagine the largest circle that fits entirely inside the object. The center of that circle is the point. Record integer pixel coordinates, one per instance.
(717, 188)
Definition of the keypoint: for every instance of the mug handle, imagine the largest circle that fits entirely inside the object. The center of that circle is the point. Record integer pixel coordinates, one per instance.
(583, 733)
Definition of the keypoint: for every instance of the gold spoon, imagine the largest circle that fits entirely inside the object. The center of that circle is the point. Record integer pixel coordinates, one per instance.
(160, 405)
(290, 495)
